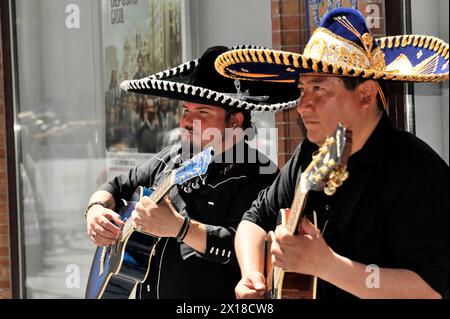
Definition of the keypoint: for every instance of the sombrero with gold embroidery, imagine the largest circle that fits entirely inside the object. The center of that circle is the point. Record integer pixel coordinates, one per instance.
(342, 45)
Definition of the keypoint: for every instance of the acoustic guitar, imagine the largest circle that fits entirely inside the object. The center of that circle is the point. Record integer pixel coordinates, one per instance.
(117, 269)
(327, 171)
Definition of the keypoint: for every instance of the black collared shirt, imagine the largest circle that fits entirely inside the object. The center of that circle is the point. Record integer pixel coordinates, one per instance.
(393, 211)
(177, 270)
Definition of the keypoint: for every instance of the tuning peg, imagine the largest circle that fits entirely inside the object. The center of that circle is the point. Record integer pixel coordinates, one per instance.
(187, 189)
(343, 175)
(331, 163)
(329, 190)
(196, 184)
(335, 182)
(324, 170)
(324, 149)
(317, 178)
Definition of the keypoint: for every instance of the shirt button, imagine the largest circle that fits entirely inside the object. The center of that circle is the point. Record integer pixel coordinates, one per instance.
(327, 208)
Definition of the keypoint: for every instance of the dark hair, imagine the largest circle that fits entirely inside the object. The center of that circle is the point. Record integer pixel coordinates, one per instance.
(352, 83)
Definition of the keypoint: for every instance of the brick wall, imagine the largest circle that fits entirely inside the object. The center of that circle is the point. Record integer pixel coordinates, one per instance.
(5, 285)
(288, 33)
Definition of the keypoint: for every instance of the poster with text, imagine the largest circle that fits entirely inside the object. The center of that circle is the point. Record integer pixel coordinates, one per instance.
(140, 38)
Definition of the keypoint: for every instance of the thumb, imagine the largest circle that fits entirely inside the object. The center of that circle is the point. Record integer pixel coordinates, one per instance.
(257, 280)
(111, 215)
(307, 228)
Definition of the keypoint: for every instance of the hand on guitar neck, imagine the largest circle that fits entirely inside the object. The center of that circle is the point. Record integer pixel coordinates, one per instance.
(161, 220)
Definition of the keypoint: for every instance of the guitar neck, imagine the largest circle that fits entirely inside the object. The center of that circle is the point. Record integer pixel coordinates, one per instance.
(156, 197)
(296, 211)
(163, 189)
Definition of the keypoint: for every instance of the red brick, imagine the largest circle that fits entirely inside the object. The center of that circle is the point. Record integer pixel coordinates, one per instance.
(276, 23)
(4, 252)
(4, 284)
(4, 241)
(290, 7)
(4, 262)
(4, 230)
(275, 8)
(282, 131)
(5, 294)
(279, 117)
(276, 38)
(293, 143)
(291, 37)
(4, 273)
(291, 23)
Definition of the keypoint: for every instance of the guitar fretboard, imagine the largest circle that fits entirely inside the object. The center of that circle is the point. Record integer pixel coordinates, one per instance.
(296, 210)
(156, 196)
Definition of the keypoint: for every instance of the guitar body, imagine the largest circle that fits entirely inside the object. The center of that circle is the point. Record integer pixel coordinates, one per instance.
(282, 284)
(117, 269)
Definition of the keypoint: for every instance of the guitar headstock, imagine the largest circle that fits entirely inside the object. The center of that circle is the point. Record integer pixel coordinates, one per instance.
(196, 167)
(327, 171)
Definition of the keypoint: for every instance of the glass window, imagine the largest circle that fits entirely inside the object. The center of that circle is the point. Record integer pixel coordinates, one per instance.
(61, 154)
(76, 128)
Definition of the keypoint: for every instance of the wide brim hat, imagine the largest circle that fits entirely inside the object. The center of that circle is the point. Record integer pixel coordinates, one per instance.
(342, 45)
(197, 81)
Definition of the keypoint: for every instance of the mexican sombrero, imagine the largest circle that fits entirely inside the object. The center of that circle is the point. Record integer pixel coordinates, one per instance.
(342, 45)
(197, 81)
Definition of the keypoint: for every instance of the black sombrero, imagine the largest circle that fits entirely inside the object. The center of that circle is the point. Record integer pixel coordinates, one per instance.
(197, 81)
(344, 46)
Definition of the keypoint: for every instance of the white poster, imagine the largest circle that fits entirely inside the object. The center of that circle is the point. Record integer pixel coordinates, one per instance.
(140, 38)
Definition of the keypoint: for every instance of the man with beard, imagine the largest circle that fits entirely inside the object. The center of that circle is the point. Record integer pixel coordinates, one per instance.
(195, 256)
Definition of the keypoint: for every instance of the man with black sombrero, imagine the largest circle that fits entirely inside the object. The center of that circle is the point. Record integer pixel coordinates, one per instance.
(195, 257)
(385, 232)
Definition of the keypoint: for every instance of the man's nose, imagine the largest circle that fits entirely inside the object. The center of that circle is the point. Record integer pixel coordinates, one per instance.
(304, 102)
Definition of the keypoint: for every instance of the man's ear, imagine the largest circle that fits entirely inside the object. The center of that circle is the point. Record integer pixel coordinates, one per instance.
(237, 119)
(368, 92)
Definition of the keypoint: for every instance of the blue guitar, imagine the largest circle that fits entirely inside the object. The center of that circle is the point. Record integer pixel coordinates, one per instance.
(117, 269)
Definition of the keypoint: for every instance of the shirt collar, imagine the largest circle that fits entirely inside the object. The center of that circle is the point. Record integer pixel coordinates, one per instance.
(374, 150)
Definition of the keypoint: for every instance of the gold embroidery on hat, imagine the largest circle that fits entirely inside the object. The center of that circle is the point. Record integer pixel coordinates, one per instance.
(366, 39)
(402, 65)
(345, 52)
(268, 58)
(428, 66)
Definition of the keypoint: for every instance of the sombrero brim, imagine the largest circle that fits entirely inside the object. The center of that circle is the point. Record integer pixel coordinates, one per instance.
(409, 58)
(169, 83)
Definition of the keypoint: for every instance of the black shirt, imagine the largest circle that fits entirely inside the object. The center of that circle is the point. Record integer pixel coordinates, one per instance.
(177, 270)
(393, 211)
